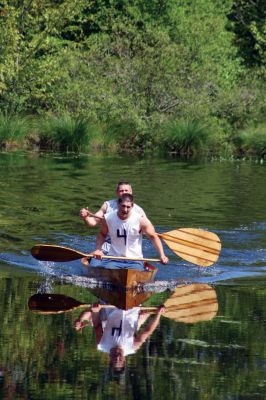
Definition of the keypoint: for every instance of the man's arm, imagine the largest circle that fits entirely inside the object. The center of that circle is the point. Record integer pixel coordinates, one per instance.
(96, 322)
(148, 330)
(100, 238)
(149, 230)
(85, 214)
(84, 319)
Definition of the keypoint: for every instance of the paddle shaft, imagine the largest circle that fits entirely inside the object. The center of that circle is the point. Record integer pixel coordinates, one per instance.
(47, 252)
(94, 215)
(126, 258)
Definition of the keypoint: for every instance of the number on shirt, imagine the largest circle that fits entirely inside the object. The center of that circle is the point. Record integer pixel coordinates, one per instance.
(119, 330)
(122, 235)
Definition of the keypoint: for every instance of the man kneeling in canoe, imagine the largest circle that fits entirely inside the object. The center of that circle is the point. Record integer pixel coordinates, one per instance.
(125, 228)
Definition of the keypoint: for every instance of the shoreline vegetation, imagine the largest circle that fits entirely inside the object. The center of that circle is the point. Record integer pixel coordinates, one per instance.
(180, 138)
(180, 78)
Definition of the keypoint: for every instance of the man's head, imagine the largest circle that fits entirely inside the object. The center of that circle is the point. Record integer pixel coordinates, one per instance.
(117, 359)
(125, 205)
(122, 188)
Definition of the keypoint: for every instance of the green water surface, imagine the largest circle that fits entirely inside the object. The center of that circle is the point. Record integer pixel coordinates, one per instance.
(44, 357)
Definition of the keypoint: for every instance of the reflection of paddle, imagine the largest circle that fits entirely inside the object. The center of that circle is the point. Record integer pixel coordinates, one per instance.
(197, 246)
(194, 245)
(188, 304)
(192, 303)
(49, 303)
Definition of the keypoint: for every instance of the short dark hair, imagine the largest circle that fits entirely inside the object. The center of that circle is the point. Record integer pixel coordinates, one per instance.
(121, 183)
(126, 197)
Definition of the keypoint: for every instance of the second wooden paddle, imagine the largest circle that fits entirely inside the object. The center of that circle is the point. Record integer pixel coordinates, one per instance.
(194, 245)
(197, 246)
(51, 252)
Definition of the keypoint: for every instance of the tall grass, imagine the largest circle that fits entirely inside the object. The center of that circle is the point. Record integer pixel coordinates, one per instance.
(13, 130)
(185, 137)
(65, 133)
(251, 142)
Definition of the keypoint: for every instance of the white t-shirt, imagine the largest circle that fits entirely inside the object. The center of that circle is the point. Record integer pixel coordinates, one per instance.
(120, 329)
(126, 236)
(111, 206)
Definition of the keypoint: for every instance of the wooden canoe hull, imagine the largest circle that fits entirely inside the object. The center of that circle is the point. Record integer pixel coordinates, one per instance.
(123, 277)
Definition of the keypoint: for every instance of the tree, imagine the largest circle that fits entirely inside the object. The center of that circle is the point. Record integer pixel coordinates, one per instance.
(248, 22)
(30, 50)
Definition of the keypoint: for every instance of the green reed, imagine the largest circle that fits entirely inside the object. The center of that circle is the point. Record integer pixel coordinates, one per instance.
(65, 133)
(13, 130)
(185, 137)
(251, 142)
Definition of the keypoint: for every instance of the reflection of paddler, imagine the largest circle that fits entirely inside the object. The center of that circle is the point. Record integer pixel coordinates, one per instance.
(118, 331)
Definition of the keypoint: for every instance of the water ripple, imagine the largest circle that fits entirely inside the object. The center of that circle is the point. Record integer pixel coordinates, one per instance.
(243, 254)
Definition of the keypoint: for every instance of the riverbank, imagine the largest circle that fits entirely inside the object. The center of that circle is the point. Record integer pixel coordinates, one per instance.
(180, 138)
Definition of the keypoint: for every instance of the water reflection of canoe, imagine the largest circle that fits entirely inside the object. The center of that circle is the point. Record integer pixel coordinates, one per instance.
(123, 277)
(123, 299)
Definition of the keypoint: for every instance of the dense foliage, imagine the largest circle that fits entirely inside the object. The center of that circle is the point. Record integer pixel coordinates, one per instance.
(133, 69)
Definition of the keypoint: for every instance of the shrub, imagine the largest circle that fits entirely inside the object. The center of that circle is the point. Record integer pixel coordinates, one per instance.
(65, 133)
(185, 137)
(13, 129)
(251, 141)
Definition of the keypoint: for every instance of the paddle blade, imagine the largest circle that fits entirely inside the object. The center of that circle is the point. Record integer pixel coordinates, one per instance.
(194, 245)
(192, 303)
(47, 252)
(47, 303)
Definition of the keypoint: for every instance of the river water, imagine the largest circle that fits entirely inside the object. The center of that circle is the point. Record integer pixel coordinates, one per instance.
(44, 357)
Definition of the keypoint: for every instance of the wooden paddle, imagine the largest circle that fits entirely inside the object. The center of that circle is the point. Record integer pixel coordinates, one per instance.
(194, 245)
(188, 304)
(51, 252)
(197, 246)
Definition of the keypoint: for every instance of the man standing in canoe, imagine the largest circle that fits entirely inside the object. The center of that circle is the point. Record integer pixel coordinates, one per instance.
(125, 228)
(109, 206)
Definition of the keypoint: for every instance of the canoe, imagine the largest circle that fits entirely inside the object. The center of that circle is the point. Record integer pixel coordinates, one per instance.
(124, 278)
